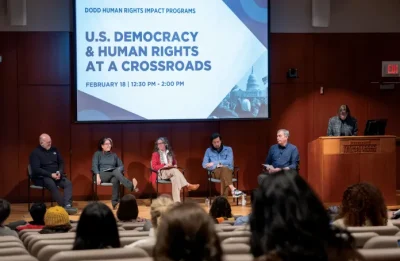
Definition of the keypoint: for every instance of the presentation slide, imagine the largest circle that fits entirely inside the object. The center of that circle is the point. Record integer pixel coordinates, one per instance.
(171, 60)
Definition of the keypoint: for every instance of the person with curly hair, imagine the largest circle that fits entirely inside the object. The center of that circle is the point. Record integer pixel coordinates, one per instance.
(289, 222)
(181, 239)
(362, 205)
(221, 210)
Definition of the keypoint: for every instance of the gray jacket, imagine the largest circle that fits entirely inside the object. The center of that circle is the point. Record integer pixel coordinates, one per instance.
(106, 161)
(335, 124)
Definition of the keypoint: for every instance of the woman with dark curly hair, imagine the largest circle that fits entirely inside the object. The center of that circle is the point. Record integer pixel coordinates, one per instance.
(289, 222)
(187, 233)
(362, 205)
(221, 210)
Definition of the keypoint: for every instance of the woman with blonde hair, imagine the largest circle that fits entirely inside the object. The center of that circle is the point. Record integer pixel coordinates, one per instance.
(157, 209)
(164, 163)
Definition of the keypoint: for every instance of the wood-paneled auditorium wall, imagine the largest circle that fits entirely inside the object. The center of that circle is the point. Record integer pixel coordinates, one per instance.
(36, 96)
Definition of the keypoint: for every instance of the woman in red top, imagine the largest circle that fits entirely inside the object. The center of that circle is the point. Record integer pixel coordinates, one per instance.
(164, 162)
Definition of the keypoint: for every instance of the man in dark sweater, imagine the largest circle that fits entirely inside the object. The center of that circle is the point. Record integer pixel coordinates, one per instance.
(48, 171)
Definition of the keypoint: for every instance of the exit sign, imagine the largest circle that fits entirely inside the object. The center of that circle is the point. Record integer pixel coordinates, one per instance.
(390, 69)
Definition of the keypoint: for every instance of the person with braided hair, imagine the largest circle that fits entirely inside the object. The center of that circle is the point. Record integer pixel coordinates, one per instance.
(362, 205)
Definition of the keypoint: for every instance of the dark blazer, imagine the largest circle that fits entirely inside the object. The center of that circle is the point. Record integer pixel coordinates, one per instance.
(349, 124)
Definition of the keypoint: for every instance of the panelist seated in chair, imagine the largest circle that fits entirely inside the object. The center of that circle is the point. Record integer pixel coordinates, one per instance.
(218, 159)
(108, 167)
(281, 156)
(163, 161)
(48, 171)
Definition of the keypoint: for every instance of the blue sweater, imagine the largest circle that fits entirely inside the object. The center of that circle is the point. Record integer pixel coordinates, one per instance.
(282, 157)
(225, 157)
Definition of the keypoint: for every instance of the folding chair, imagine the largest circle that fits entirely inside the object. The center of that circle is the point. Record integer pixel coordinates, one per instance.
(210, 179)
(32, 186)
(165, 181)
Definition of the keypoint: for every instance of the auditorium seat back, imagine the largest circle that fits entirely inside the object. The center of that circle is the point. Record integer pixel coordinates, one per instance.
(381, 242)
(11, 244)
(380, 230)
(361, 238)
(96, 254)
(238, 248)
(380, 254)
(224, 235)
(236, 240)
(13, 251)
(47, 252)
(18, 258)
(38, 245)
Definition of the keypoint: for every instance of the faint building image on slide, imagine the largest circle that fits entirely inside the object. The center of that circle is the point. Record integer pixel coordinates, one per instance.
(249, 102)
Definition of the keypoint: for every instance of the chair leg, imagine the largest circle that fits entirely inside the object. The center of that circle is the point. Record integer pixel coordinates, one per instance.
(183, 194)
(29, 196)
(43, 195)
(156, 188)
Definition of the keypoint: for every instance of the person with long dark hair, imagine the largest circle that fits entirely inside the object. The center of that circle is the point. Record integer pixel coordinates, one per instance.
(221, 210)
(128, 210)
(164, 162)
(362, 205)
(343, 124)
(289, 222)
(108, 167)
(97, 228)
(187, 233)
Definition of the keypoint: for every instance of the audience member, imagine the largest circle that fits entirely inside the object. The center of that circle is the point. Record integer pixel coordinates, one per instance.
(56, 220)
(5, 211)
(37, 211)
(180, 239)
(221, 210)
(97, 228)
(362, 205)
(289, 222)
(128, 209)
(157, 209)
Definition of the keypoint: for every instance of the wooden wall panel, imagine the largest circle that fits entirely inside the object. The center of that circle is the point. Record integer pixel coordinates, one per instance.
(9, 181)
(285, 54)
(43, 109)
(44, 58)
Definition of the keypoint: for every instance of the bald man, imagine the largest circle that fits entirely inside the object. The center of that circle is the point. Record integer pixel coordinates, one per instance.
(48, 171)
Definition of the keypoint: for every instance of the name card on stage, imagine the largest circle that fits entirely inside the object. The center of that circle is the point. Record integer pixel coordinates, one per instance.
(360, 146)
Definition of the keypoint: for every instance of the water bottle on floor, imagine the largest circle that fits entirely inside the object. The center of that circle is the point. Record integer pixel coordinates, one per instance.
(244, 200)
(207, 202)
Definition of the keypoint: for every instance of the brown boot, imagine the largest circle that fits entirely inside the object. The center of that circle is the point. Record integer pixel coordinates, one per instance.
(191, 187)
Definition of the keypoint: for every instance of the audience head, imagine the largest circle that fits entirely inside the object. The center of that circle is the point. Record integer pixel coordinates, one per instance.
(343, 112)
(128, 208)
(162, 144)
(56, 220)
(220, 208)
(363, 204)
(5, 210)
(97, 228)
(45, 141)
(158, 207)
(282, 137)
(105, 144)
(216, 140)
(37, 211)
(289, 222)
(186, 233)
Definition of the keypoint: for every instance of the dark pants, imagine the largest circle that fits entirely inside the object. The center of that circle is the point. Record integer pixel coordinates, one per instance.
(116, 177)
(261, 177)
(52, 184)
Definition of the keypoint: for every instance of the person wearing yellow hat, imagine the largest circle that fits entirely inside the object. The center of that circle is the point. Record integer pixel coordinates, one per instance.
(56, 220)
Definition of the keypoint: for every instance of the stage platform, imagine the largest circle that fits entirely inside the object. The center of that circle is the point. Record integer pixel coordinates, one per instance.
(20, 211)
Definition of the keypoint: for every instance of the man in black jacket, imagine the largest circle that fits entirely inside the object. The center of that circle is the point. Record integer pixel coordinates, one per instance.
(48, 171)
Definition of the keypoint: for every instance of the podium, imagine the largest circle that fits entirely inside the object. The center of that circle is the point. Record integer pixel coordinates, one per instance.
(334, 163)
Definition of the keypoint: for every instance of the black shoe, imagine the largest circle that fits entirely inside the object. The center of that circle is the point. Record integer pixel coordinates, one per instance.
(70, 210)
(114, 206)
